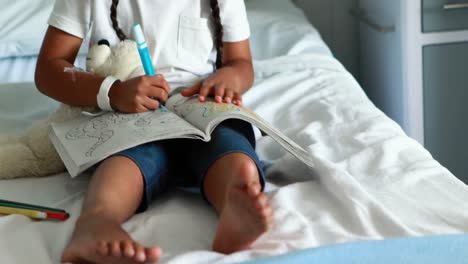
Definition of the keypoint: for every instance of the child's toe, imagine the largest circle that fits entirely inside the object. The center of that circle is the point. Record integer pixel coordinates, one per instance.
(266, 212)
(253, 190)
(115, 249)
(128, 250)
(102, 248)
(261, 201)
(153, 254)
(140, 255)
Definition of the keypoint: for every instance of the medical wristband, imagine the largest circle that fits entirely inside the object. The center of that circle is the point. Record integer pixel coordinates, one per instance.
(103, 99)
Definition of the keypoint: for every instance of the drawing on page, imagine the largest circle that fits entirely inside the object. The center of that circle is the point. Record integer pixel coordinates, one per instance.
(102, 128)
(212, 108)
(144, 125)
(185, 106)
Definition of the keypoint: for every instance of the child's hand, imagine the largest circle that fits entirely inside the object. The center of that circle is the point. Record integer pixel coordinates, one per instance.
(224, 85)
(140, 94)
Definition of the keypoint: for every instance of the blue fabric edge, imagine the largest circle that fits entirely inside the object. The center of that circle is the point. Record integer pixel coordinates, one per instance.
(451, 249)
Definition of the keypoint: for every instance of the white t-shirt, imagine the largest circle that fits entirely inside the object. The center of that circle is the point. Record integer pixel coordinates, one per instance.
(179, 33)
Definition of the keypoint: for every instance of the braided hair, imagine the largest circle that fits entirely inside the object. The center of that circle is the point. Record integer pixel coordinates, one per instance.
(218, 28)
(115, 23)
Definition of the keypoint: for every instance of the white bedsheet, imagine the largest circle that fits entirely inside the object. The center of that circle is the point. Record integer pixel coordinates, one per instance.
(17, 69)
(371, 181)
(21, 69)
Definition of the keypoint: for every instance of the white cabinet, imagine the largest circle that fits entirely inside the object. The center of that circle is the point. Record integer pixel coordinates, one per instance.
(445, 79)
(414, 66)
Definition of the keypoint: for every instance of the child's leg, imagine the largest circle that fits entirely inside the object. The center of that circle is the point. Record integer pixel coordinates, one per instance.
(115, 192)
(232, 178)
(233, 187)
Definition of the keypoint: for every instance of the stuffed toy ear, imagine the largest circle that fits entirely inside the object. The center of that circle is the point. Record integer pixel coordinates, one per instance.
(104, 42)
(98, 55)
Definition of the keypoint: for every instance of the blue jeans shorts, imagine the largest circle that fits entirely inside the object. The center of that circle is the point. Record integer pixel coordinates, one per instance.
(183, 163)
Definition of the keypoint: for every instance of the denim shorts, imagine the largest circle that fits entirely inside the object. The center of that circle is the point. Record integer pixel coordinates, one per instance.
(183, 163)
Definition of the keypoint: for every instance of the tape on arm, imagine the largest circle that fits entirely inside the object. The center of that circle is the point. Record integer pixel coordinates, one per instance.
(103, 99)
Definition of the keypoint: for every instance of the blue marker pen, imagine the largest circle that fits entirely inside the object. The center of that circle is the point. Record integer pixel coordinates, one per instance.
(143, 50)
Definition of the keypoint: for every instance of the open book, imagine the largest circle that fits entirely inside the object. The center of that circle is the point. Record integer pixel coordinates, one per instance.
(85, 141)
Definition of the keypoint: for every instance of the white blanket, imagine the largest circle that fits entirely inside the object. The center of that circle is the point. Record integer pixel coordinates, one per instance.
(371, 181)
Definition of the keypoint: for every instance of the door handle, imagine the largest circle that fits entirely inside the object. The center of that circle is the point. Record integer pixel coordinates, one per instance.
(455, 6)
(364, 18)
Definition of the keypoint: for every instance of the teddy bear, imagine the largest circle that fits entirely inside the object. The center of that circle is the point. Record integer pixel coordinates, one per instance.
(32, 154)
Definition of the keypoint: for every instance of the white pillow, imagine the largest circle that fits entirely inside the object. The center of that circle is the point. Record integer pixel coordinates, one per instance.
(280, 28)
(24, 23)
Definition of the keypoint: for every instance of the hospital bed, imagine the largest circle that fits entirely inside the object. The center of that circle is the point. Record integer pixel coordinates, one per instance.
(375, 195)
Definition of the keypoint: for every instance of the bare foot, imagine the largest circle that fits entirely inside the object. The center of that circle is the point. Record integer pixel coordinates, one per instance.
(98, 239)
(245, 217)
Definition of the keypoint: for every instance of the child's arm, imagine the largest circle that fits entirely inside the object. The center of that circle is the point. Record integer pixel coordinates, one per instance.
(59, 51)
(232, 80)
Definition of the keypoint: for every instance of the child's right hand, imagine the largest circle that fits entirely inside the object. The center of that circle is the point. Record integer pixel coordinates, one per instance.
(136, 95)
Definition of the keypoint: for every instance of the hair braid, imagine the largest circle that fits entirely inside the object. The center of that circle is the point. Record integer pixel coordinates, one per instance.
(218, 28)
(115, 23)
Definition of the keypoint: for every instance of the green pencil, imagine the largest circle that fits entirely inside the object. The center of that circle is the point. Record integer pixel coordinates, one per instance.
(28, 206)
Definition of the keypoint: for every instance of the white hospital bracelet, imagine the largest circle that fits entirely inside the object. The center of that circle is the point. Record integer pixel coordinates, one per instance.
(103, 100)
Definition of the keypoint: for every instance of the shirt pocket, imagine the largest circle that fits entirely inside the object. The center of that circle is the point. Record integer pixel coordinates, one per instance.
(194, 43)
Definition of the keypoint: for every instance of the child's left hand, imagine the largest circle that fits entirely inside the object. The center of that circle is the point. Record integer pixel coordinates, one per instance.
(225, 85)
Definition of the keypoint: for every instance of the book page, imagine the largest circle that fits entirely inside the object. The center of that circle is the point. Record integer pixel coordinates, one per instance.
(206, 116)
(90, 139)
(201, 115)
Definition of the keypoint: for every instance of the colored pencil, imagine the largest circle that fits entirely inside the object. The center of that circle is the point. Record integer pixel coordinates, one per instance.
(29, 206)
(34, 213)
(25, 212)
(57, 216)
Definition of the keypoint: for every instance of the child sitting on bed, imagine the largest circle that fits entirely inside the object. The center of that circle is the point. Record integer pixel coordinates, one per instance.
(199, 44)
